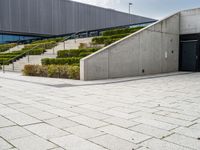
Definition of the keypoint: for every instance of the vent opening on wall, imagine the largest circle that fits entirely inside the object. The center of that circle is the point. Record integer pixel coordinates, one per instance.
(143, 70)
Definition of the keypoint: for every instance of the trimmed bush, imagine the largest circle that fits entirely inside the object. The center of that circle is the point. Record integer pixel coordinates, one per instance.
(53, 71)
(5, 47)
(110, 36)
(7, 56)
(84, 54)
(49, 40)
(100, 40)
(119, 36)
(37, 51)
(75, 52)
(105, 39)
(110, 41)
(121, 31)
(60, 61)
(46, 45)
(4, 60)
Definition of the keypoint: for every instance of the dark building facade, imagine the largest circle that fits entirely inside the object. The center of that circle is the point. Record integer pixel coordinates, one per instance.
(26, 19)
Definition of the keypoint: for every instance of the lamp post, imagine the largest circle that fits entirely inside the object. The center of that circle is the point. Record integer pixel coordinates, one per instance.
(129, 6)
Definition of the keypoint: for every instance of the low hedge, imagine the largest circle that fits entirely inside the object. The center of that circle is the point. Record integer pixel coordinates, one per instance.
(60, 61)
(10, 53)
(46, 45)
(49, 40)
(4, 60)
(121, 31)
(75, 52)
(105, 39)
(5, 47)
(37, 49)
(54, 71)
(8, 56)
(100, 40)
(110, 41)
(84, 54)
(119, 36)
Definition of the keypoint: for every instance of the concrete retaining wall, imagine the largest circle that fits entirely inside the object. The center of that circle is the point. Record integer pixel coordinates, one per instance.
(152, 50)
(189, 21)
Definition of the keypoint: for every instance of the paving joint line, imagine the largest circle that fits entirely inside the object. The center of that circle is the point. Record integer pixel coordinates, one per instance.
(93, 84)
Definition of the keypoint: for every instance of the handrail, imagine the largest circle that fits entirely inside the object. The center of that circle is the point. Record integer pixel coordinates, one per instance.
(68, 37)
(18, 56)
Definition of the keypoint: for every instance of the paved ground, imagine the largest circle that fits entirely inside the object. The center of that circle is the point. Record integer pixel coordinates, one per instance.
(160, 113)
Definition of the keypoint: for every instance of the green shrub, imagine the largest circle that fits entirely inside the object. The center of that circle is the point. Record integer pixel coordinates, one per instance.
(31, 49)
(121, 31)
(53, 71)
(5, 47)
(11, 53)
(37, 51)
(60, 61)
(30, 70)
(46, 45)
(50, 45)
(110, 41)
(4, 61)
(84, 54)
(100, 40)
(7, 56)
(59, 39)
(105, 39)
(68, 53)
(74, 52)
(73, 72)
(119, 36)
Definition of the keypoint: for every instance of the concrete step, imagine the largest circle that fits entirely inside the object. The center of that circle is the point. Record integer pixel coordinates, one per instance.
(50, 53)
(16, 48)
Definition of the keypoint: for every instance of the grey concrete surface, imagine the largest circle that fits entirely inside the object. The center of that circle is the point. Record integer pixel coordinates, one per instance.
(152, 50)
(189, 22)
(160, 113)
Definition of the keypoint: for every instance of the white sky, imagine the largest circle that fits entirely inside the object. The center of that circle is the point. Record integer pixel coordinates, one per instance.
(149, 8)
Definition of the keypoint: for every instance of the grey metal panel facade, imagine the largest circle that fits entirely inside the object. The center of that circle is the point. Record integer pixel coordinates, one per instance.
(56, 17)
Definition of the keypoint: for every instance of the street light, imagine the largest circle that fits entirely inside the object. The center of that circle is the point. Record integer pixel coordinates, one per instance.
(129, 6)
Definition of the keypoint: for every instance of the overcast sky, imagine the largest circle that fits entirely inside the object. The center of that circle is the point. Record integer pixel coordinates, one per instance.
(150, 8)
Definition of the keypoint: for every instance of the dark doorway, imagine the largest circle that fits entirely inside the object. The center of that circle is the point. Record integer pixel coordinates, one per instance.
(189, 53)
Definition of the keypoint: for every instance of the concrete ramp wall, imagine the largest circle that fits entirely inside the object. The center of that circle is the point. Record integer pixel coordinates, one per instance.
(152, 50)
(189, 21)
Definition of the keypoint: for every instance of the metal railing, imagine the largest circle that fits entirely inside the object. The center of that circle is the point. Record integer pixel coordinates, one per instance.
(27, 53)
(12, 60)
(69, 37)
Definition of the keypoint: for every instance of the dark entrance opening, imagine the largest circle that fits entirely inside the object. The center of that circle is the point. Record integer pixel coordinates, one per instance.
(189, 53)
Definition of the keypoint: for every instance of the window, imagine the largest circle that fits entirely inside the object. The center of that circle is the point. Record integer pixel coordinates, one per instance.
(6, 38)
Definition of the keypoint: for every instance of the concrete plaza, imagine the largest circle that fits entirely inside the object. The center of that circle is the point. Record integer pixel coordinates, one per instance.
(150, 113)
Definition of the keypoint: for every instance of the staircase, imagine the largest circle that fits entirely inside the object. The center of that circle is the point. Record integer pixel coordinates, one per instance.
(50, 53)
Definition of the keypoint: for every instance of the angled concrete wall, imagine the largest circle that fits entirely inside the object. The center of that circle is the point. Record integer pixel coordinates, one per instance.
(152, 50)
(189, 21)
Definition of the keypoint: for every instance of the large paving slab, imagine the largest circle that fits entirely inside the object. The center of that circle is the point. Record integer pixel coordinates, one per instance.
(158, 112)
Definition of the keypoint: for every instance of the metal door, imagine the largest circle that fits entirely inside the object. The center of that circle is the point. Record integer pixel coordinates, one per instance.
(189, 56)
